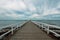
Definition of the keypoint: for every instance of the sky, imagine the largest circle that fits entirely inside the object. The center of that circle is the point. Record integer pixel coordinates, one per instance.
(29, 9)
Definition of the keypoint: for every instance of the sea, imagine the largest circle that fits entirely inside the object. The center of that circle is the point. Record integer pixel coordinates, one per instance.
(4, 23)
(51, 22)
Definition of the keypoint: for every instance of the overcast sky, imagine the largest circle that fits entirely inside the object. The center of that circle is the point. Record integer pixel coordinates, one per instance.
(29, 9)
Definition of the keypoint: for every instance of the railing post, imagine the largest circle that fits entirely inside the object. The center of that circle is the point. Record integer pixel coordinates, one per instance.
(17, 26)
(12, 30)
(42, 26)
(48, 29)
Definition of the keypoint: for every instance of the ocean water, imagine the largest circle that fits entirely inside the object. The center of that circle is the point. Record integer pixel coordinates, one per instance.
(52, 22)
(4, 23)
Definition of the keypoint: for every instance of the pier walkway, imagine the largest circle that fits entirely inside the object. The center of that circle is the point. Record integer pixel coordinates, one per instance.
(30, 32)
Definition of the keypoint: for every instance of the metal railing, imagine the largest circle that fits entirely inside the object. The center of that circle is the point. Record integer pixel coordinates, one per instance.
(13, 27)
(49, 28)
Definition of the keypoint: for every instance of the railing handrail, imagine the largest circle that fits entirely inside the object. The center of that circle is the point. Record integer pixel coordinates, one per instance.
(53, 26)
(8, 25)
(4, 34)
(11, 30)
(47, 29)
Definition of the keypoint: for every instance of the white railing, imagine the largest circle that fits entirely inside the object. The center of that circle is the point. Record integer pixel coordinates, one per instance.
(46, 27)
(12, 28)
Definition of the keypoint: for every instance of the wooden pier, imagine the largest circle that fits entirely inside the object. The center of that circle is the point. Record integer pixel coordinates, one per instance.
(30, 32)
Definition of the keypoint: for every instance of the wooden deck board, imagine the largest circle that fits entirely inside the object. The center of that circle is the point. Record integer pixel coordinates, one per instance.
(30, 32)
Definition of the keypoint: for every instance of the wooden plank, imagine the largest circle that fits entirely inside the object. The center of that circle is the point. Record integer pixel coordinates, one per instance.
(30, 32)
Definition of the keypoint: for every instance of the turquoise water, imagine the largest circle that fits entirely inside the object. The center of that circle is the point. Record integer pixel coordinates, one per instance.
(52, 22)
(4, 23)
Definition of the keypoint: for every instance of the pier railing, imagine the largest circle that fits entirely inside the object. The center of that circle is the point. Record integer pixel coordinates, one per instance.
(13, 27)
(49, 28)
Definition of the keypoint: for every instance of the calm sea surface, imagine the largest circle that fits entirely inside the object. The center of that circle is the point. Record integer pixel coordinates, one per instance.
(4, 23)
(52, 22)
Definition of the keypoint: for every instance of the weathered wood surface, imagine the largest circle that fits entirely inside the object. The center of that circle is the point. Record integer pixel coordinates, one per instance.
(30, 32)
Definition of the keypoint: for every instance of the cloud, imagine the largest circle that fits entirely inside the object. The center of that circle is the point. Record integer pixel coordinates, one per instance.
(51, 7)
(51, 11)
(13, 4)
(34, 9)
(34, 16)
(14, 15)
